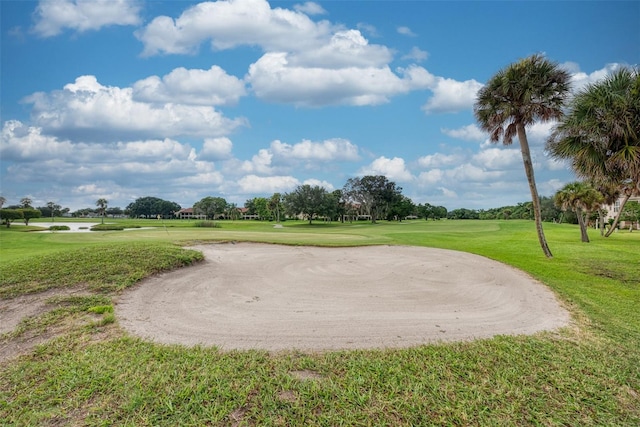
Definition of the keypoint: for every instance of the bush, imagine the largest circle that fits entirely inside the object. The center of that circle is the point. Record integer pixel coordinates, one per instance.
(107, 227)
(208, 224)
(59, 228)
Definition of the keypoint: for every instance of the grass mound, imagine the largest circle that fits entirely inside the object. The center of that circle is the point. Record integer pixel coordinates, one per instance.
(101, 267)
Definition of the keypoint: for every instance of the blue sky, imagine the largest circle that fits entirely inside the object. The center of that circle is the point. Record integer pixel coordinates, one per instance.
(240, 99)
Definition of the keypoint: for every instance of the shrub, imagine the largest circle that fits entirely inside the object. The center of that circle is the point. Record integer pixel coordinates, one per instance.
(107, 227)
(59, 228)
(208, 224)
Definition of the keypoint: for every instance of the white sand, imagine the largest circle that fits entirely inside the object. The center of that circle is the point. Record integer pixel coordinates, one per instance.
(272, 297)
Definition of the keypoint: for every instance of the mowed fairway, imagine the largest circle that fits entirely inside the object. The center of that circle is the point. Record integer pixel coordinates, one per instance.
(91, 372)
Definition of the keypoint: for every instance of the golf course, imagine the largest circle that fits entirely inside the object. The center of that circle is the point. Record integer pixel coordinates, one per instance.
(70, 303)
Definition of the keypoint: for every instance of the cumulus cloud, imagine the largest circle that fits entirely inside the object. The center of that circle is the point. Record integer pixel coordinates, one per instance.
(449, 194)
(46, 159)
(52, 17)
(216, 149)
(439, 160)
(259, 163)
(254, 184)
(538, 132)
(190, 87)
(281, 157)
(467, 133)
(451, 95)
(580, 79)
(319, 183)
(395, 169)
(92, 111)
(305, 63)
(22, 142)
(469, 172)
(430, 177)
(498, 159)
(345, 49)
(210, 179)
(330, 150)
(228, 24)
(274, 79)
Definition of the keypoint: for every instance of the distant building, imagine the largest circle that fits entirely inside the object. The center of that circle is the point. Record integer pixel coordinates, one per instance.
(187, 213)
(612, 211)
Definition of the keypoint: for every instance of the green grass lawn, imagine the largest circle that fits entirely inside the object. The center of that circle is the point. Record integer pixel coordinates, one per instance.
(93, 373)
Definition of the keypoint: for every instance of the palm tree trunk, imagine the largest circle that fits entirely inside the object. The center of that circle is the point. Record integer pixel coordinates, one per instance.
(528, 168)
(583, 227)
(617, 218)
(601, 221)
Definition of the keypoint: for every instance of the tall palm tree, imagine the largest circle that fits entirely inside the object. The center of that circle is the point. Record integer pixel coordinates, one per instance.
(532, 89)
(600, 135)
(581, 198)
(102, 207)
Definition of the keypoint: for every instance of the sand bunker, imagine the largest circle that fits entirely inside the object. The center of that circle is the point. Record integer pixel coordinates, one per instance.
(257, 296)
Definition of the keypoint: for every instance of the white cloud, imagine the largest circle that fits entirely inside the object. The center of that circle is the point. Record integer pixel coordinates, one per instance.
(210, 178)
(449, 194)
(27, 143)
(405, 31)
(416, 54)
(319, 183)
(275, 80)
(310, 8)
(430, 177)
(259, 163)
(52, 17)
(471, 173)
(141, 166)
(229, 24)
(556, 165)
(216, 149)
(253, 184)
(191, 87)
(346, 48)
(451, 95)
(580, 79)
(438, 160)
(467, 133)
(538, 132)
(498, 159)
(90, 110)
(330, 150)
(394, 169)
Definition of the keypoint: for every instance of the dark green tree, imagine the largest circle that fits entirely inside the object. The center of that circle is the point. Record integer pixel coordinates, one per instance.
(631, 214)
(151, 207)
(10, 215)
(375, 194)
(29, 214)
(210, 207)
(308, 201)
(275, 205)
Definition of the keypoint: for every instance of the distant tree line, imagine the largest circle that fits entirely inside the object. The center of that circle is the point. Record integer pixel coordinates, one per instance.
(549, 212)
